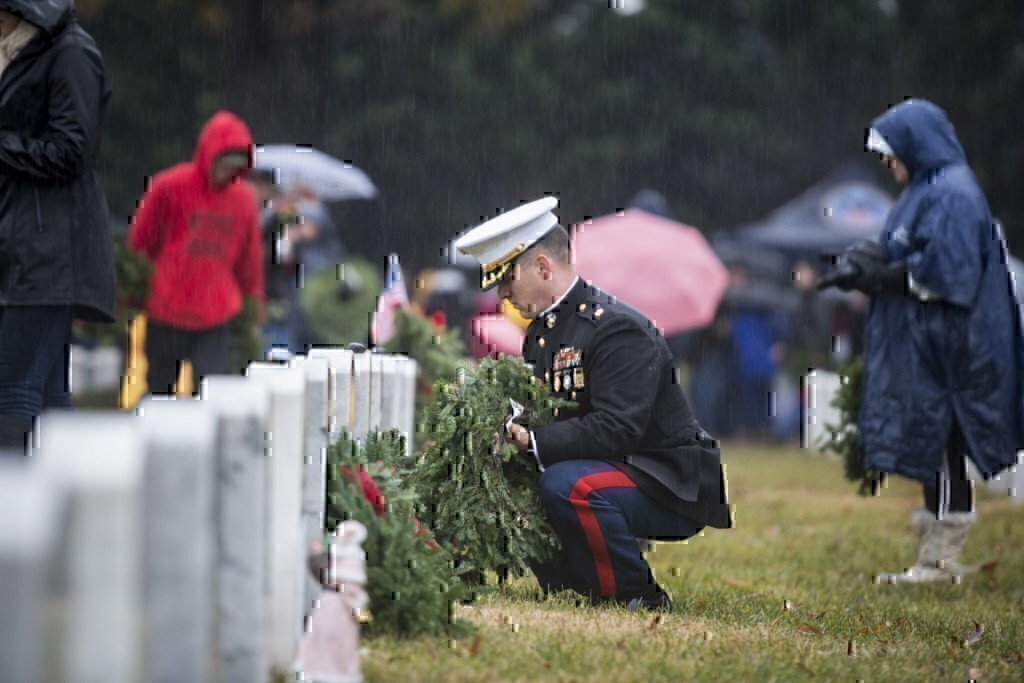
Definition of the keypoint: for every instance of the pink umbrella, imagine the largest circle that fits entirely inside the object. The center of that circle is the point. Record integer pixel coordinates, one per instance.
(664, 269)
(493, 333)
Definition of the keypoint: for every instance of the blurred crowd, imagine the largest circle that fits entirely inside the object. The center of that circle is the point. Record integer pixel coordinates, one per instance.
(772, 327)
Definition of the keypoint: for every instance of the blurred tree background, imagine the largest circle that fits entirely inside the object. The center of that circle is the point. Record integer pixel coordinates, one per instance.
(458, 107)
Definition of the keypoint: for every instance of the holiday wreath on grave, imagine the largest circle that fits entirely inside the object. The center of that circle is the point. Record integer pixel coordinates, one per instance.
(339, 301)
(844, 435)
(411, 581)
(475, 492)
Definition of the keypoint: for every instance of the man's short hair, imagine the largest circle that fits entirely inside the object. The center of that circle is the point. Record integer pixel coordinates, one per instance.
(555, 245)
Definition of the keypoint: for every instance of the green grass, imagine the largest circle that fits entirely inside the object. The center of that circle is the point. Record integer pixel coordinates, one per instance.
(786, 595)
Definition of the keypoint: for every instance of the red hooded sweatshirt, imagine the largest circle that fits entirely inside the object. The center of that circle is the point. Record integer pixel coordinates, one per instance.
(204, 241)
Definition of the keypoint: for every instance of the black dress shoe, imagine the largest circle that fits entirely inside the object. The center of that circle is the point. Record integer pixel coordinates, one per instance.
(655, 602)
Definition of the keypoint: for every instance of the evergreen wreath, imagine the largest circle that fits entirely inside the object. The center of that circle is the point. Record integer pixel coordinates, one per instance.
(410, 579)
(339, 301)
(436, 349)
(844, 435)
(476, 493)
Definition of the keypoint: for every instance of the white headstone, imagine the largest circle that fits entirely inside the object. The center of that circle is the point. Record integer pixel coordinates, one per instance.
(391, 392)
(376, 391)
(286, 534)
(820, 388)
(1009, 482)
(314, 469)
(98, 459)
(97, 369)
(339, 390)
(28, 528)
(408, 416)
(241, 410)
(179, 537)
(361, 394)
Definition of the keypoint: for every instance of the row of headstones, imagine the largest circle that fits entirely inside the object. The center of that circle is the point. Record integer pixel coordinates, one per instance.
(171, 545)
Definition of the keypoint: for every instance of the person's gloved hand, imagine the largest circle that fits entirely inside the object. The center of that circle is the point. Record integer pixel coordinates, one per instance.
(865, 266)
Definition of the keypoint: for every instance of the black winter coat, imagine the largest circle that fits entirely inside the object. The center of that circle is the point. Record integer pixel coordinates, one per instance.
(55, 239)
(607, 357)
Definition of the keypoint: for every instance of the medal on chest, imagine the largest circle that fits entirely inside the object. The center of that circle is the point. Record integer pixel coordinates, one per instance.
(567, 370)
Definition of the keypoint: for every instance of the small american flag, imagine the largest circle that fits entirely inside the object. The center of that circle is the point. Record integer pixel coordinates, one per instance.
(392, 297)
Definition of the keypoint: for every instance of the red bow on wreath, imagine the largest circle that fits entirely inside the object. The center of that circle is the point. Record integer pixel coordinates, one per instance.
(372, 494)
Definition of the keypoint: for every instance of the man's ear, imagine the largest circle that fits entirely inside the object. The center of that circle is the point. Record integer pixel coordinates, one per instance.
(544, 264)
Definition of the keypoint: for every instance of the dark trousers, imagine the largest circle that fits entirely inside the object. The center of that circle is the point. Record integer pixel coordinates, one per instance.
(35, 358)
(167, 347)
(35, 355)
(951, 491)
(598, 513)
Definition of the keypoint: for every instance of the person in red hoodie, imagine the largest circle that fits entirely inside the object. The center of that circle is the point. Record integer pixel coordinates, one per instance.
(197, 223)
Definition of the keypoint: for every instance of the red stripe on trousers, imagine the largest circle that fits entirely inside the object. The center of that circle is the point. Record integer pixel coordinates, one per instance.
(591, 529)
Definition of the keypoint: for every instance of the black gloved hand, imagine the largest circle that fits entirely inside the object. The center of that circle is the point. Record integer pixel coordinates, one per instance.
(865, 266)
(844, 276)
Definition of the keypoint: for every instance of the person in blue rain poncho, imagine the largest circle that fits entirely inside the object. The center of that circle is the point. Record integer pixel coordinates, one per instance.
(943, 348)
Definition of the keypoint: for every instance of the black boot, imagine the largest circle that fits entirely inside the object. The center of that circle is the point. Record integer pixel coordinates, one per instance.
(14, 435)
(655, 599)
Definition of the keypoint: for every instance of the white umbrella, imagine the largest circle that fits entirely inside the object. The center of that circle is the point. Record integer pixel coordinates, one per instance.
(329, 178)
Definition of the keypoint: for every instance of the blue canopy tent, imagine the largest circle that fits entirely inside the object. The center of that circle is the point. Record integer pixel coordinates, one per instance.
(848, 205)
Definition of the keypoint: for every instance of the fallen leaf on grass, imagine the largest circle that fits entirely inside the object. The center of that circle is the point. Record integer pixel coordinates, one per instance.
(871, 629)
(655, 622)
(474, 647)
(989, 570)
(807, 628)
(974, 635)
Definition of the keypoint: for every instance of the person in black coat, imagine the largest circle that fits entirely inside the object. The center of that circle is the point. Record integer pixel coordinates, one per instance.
(631, 461)
(56, 252)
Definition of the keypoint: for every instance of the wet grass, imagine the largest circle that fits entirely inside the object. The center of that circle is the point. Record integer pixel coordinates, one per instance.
(787, 595)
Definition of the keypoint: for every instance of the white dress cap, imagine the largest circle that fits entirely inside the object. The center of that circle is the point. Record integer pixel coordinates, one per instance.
(876, 143)
(498, 242)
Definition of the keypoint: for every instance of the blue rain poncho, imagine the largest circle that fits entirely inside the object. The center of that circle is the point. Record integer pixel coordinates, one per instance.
(957, 358)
